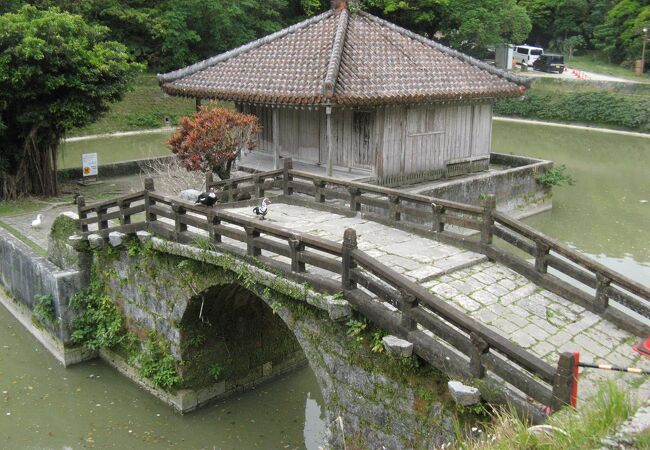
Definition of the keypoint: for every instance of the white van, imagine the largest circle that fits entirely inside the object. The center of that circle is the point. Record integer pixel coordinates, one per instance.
(526, 54)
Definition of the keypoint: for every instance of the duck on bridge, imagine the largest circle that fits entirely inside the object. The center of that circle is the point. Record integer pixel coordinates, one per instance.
(441, 276)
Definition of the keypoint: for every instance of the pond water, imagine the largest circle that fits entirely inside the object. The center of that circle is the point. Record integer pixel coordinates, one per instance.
(114, 149)
(606, 214)
(44, 406)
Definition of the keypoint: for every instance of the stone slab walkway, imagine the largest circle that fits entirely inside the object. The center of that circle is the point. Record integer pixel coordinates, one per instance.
(538, 320)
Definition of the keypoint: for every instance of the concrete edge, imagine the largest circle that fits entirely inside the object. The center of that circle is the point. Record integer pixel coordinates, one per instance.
(66, 356)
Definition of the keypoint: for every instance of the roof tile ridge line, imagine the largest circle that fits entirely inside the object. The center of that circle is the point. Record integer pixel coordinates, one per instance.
(201, 65)
(334, 64)
(455, 53)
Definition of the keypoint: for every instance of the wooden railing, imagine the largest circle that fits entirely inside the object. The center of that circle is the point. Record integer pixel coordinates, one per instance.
(442, 335)
(573, 276)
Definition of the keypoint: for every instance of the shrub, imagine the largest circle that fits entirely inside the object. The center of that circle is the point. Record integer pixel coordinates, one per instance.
(597, 107)
(158, 364)
(555, 177)
(99, 323)
(43, 310)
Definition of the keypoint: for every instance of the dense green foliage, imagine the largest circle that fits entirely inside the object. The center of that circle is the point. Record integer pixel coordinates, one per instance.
(156, 363)
(168, 34)
(57, 72)
(556, 177)
(601, 107)
(98, 323)
(614, 27)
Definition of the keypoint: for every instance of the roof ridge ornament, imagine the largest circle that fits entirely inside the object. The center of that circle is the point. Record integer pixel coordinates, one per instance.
(334, 64)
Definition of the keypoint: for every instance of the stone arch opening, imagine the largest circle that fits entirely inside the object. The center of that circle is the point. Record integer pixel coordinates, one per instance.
(229, 334)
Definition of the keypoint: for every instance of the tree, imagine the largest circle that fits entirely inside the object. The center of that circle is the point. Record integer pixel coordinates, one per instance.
(620, 37)
(56, 73)
(473, 25)
(212, 138)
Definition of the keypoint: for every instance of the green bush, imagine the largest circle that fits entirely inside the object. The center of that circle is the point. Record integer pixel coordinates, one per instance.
(158, 364)
(43, 310)
(555, 177)
(595, 107)
(99, 323)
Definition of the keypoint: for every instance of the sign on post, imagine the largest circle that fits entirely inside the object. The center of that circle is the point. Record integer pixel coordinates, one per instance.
(89, 166)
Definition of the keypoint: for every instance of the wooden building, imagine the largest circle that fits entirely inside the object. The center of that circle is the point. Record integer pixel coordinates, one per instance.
(348, 89)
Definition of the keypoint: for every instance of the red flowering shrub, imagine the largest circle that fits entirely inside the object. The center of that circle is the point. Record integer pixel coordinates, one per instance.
(212, 138)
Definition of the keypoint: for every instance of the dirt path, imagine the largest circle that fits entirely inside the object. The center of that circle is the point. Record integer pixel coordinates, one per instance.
(575, 127)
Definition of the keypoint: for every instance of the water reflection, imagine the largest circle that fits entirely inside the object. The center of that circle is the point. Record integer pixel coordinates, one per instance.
(44, 406)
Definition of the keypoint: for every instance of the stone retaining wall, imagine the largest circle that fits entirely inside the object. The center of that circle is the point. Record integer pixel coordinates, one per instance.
(516, 188)
(25, 274)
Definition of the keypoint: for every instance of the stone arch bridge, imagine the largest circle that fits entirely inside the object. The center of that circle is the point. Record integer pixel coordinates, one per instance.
(473, 293)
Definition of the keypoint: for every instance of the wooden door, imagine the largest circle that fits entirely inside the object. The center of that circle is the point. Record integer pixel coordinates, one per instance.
(363, 154)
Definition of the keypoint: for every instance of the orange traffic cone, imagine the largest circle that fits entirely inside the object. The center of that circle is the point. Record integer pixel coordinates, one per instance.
(643, 348)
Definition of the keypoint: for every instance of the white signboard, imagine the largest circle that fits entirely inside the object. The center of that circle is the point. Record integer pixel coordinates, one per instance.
(89, 164)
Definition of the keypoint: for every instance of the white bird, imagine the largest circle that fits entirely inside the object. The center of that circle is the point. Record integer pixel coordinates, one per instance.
(36, 223)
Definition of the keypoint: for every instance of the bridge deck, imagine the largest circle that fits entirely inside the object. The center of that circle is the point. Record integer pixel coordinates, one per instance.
(538, 320)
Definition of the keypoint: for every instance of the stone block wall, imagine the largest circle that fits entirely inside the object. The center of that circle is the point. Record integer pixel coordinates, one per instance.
(518, 193)
(26, 274)
(381, 401)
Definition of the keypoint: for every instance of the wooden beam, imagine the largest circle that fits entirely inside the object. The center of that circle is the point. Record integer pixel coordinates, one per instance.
(328, 113)
(276, 138)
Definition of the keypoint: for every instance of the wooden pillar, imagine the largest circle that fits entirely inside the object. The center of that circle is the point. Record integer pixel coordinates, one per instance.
(407, 302)
(602, 299)
(296, 247)
(437, 223)
(276, 138)
(330, 144)
(479, 348)
(149, 187)
(349, 244)
(541, 252)
(286, 176)
(251, 234)
(81, 203)
(563, 382)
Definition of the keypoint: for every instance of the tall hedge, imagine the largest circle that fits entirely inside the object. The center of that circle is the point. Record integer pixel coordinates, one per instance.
(599, 108)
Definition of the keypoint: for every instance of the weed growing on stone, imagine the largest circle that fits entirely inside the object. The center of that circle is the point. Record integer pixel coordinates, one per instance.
(215, 370)
(43, 311)
(98, 322)
(355, 331)
(555, 177)
(376, 341)
(156, 363)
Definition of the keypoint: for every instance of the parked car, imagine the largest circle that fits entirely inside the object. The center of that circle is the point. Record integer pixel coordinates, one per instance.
(526, 54)
(550, 62)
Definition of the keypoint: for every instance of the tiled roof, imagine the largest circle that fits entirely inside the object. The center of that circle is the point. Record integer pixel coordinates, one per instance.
(341, 58)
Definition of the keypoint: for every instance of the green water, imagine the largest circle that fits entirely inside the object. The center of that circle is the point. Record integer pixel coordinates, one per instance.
(114, 149)
(45, 406)
(602, 215)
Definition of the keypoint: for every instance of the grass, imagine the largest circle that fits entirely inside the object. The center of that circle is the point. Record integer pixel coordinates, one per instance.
(580, 429)
(597, 63)
(31, 244)
(145, 106)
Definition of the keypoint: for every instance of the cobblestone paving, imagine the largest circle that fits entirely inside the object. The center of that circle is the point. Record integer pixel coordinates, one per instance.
(538, 320)
(418, 258)
(542, 322)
